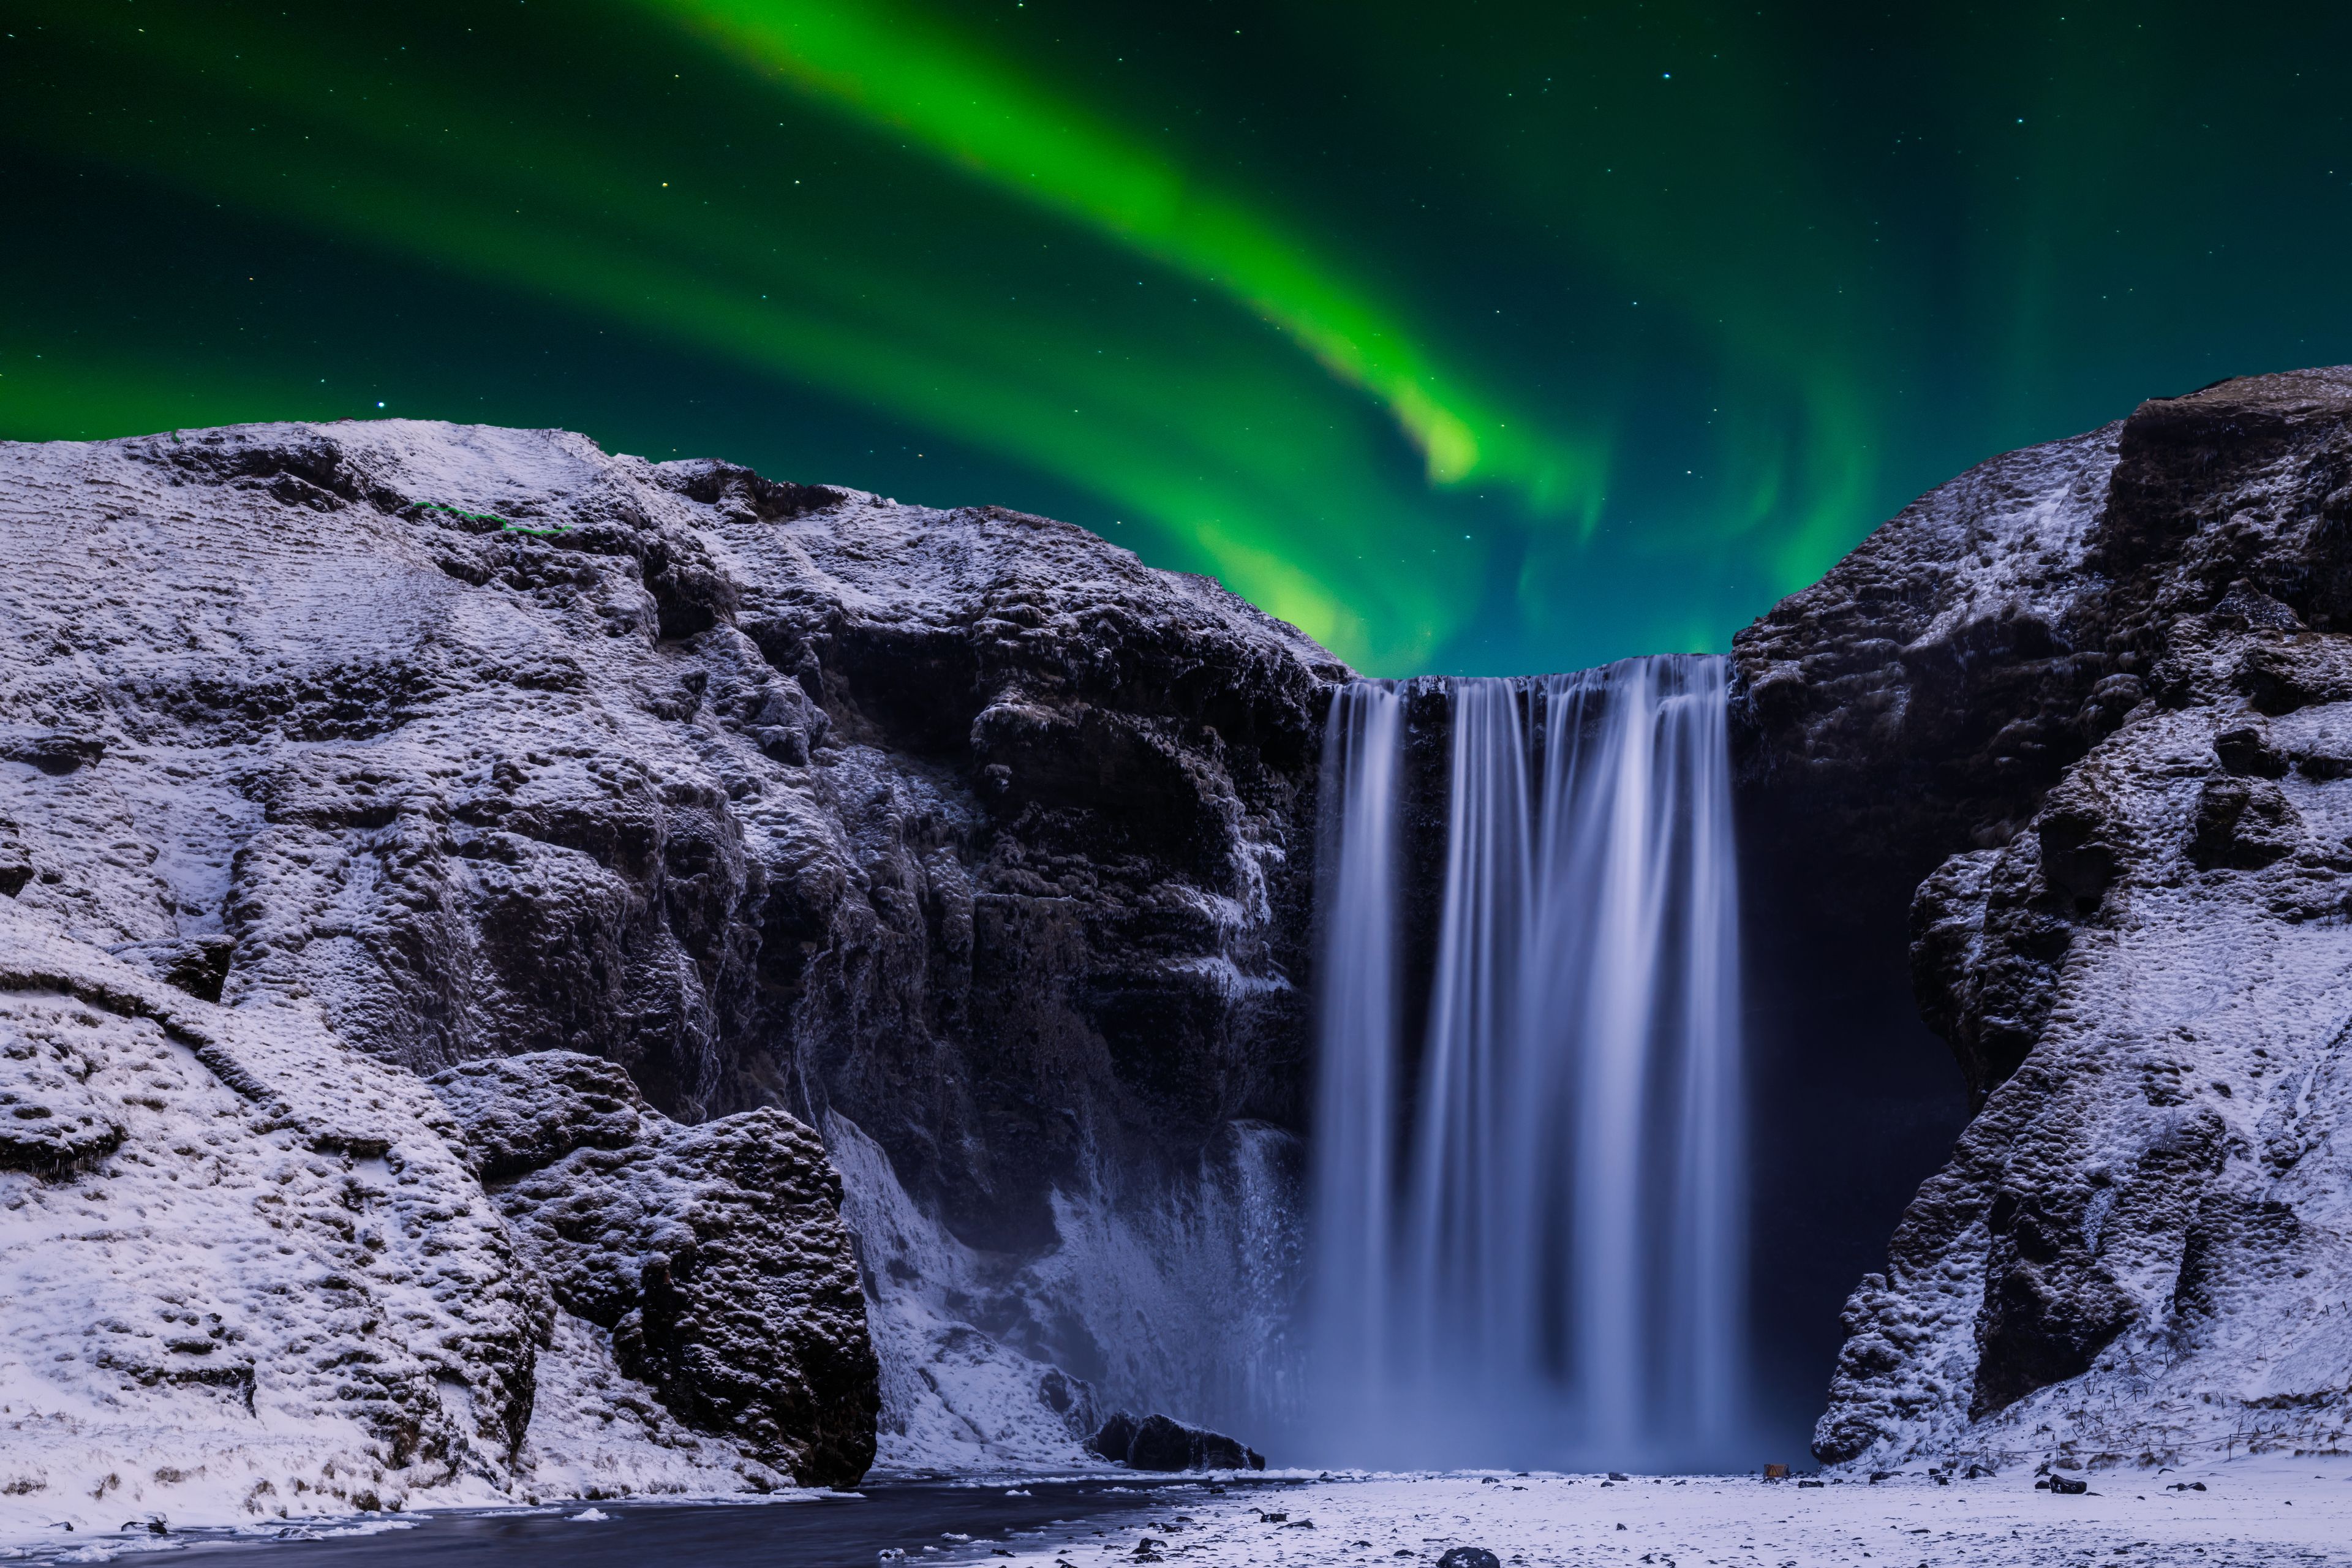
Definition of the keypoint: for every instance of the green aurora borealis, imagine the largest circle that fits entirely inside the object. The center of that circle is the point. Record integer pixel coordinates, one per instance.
(1475, 338)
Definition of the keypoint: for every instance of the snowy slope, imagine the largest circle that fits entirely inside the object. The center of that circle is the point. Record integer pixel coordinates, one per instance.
(274, 1287)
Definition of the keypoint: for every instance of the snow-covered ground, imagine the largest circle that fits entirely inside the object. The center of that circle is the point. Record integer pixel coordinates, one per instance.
(2258, 1510)
(2252, 1511)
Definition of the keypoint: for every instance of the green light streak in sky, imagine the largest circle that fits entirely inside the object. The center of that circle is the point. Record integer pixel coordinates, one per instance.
(905, 71)
(603, 232)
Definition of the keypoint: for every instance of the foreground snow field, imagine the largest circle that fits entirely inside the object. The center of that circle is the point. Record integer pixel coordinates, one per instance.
(2252, 1511)
(2261, 1511)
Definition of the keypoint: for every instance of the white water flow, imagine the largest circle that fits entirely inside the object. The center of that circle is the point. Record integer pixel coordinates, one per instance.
(1528, 1238)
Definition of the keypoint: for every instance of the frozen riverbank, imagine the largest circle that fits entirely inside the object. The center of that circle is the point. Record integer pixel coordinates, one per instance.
(884, 1521)
(2264, 1510)
(2251, 1512)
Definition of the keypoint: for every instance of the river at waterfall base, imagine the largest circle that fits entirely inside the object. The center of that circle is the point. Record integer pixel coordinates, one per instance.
(1529, 1244)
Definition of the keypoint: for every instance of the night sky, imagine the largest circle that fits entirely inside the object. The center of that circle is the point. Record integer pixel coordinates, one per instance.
(1470, 337)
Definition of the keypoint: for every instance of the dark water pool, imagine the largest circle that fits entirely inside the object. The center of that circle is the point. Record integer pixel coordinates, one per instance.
(823, 1532)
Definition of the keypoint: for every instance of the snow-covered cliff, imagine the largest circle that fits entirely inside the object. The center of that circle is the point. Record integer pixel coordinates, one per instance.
(2111, 680)
(661, 816)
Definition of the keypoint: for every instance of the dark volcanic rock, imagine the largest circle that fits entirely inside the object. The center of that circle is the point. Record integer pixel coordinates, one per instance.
(1161, 1443)
(714, 1254)
(1114, 1438)
(2108, 679)
(1469, 1557)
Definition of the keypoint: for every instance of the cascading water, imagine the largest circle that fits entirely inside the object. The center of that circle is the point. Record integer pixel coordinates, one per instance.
(1529, 1244)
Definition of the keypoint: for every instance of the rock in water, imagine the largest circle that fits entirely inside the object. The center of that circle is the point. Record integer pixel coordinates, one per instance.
(1163, 1445)
(2111, 680)
(1114, 1438)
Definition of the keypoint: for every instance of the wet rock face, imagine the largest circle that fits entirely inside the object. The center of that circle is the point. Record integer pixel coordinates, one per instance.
(715, 1254)
(2138, 946)
(1076, 829)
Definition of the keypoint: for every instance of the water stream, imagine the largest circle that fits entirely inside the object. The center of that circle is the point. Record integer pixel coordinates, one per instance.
(1529, 1246)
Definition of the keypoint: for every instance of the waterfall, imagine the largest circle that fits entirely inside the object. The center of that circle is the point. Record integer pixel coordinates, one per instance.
(1529, 1244)
(1356, 1087)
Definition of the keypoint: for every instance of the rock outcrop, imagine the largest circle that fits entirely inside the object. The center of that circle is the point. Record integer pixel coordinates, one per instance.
(960, 836)
(2105, 683)
(714, 1255)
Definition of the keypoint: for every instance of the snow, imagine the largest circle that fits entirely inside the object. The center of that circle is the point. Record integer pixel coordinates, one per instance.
(2252, 1511)
(192, 1323)
(953, 1399)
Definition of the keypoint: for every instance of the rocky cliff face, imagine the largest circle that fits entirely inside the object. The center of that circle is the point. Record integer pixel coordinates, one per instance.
(450, 878)
(2108, 683)
(961, 836)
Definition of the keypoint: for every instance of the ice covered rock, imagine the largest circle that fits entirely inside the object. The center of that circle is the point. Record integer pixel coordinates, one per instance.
(714, 1255)
(524, 1113)
(2107, 678)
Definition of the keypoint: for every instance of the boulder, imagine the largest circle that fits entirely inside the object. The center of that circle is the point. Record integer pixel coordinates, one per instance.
(1115, 1437)
(714, 1254)
(1160, 1443)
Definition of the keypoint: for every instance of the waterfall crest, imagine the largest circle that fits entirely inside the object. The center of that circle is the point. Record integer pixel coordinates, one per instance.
(1529, 1246)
